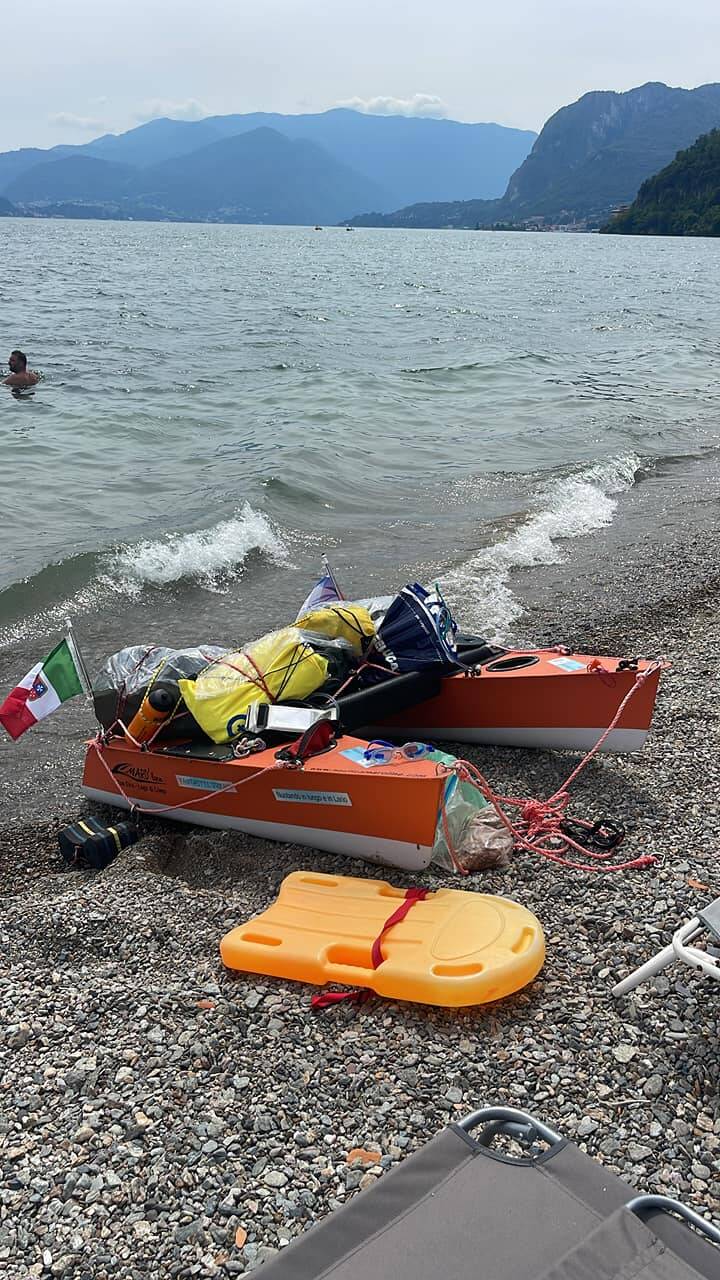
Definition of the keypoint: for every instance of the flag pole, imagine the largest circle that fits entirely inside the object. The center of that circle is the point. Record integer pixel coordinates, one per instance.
(79, 661)
(326, 566)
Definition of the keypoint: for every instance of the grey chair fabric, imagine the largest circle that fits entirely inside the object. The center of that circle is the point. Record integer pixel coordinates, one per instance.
(457, 1210)
(620, 1248)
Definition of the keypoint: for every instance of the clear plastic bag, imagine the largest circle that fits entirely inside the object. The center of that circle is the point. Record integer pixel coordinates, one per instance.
(469, 831)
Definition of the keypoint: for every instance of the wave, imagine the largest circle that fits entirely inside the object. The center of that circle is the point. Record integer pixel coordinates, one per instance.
(210, 558)
(571, 506)
(490, 365)
(445, 370)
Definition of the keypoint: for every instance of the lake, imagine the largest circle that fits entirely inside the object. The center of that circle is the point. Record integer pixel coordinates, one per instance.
(221, 404)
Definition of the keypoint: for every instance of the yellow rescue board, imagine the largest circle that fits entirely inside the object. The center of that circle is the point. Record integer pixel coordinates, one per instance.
(453, 948)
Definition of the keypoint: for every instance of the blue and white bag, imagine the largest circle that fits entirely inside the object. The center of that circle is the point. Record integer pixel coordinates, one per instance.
(418, 631)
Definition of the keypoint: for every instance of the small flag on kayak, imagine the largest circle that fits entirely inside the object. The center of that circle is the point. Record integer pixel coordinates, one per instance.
(325, 591)
(45, 686)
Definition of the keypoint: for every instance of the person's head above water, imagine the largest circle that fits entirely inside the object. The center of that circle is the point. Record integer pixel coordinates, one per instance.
(20, 377)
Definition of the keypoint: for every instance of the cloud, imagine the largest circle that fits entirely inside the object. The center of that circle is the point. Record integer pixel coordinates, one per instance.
(67, 120)
(420, 104)
(161, 108)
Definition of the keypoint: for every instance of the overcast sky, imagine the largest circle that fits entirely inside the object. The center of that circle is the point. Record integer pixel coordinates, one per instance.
(72, 69)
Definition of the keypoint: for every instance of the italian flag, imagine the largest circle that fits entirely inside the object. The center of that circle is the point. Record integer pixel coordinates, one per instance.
(45, 686)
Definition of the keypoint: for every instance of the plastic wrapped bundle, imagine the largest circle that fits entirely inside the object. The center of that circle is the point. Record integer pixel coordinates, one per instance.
(126, 676)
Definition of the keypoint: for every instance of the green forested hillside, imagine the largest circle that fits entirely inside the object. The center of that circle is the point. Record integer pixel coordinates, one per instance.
(682, 200)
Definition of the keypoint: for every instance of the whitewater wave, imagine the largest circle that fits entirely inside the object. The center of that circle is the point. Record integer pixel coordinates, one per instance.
(212, 558)
(571, 506)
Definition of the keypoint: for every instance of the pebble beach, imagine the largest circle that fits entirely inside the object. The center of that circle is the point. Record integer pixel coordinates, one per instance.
(160, 1117)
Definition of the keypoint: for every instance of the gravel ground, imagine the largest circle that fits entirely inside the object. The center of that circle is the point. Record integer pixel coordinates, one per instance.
(160, 1117)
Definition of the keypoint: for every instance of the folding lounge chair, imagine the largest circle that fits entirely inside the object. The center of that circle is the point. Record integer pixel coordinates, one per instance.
(459, 1210)
(705, 922)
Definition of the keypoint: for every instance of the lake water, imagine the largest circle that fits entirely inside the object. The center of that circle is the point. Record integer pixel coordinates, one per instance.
(220, 404)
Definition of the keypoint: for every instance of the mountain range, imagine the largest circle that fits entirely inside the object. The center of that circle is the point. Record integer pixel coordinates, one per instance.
(682, 200)
(589, 158)
(266, 167)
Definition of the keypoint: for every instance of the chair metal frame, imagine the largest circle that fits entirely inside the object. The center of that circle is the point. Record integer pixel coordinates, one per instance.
(681, 948)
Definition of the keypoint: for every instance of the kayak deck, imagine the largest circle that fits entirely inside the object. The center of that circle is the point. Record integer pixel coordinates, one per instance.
(552, 700)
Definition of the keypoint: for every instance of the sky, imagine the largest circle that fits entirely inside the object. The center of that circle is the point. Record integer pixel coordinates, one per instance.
(74, 69)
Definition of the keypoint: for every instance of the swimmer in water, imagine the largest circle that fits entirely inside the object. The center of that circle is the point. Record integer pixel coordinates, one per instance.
(20, 377)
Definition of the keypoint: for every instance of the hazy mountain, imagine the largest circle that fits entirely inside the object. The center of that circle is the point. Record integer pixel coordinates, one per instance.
(254, 177)
(406, 159)
(13, 163)
(154, 142)
(410, 158)
(682, 200)
(259, 176)
(6, 208)
(76, 177)
(589, 157)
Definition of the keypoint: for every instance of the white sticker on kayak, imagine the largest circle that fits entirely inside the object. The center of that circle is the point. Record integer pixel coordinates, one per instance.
(567, 664)
(312, 797)
(200, 784)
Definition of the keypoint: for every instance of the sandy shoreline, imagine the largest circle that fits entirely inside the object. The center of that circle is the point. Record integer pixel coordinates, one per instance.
(153, 1104)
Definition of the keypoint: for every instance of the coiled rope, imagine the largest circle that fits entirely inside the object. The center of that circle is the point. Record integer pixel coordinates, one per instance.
(541, 826)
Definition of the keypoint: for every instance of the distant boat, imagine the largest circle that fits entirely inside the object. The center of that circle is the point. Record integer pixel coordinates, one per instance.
(318, 228)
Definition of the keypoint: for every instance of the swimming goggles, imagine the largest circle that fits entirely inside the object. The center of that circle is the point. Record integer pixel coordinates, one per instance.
(381, 752)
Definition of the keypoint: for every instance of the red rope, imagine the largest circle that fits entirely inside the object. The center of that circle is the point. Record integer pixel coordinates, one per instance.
(640, 679)
(258, 679)
(539, 828)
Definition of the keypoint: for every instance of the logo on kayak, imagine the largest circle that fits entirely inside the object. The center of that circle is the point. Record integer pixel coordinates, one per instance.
(136, 772)
(312, 797)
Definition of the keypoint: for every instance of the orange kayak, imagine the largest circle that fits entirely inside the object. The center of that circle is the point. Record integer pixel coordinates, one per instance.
(386, 813)
(540, 699)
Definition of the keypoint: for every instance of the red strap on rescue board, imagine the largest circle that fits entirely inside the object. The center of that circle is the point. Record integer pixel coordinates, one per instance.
(329, 998)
